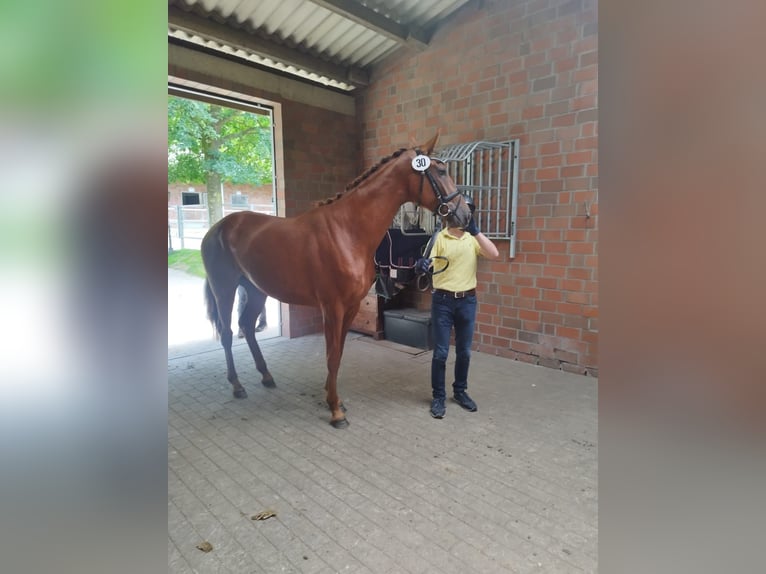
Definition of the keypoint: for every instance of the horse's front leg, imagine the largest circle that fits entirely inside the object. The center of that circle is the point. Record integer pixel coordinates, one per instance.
(336, 327)
(334, 342)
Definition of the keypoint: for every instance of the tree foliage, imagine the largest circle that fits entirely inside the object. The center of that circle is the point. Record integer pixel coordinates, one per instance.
(206, 140)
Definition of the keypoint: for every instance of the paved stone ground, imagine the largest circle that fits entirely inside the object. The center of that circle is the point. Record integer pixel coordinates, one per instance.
(510, 488)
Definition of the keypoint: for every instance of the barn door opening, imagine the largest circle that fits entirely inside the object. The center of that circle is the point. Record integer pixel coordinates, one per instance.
(221, 151)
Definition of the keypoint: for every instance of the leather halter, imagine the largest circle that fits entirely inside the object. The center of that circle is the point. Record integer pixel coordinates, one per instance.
(443, 199)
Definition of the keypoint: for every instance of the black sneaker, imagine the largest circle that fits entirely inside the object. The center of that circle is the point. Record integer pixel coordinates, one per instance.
(438, 409)
(465, 401)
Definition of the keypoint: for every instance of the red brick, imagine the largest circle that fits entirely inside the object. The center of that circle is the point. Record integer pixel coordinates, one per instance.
(557, 108)
(577, 183)
(579, 157)
(565, 65)
(546, 282)
(552, 295)
(533, 257)
(575, 235)
(552, 318)
(585, 74)
(572, 285)
(555, 247)
(533, 112)
(568, 332)
(564, 120)
(579, 273)
(569, 309)
(551, 160)
(531, 246)
(585, 248)
(549, 148)
(550, 235)
(553, 270)
(547, 173)
(572, 171)
(542, 305)
(567, 133)
(577, 297)
(552, 185)
(557, 222)
(528, 315)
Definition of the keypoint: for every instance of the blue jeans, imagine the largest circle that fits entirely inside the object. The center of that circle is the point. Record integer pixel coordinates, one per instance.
(448, 312)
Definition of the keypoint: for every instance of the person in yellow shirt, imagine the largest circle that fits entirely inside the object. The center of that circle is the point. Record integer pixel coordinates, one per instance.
(453, 304)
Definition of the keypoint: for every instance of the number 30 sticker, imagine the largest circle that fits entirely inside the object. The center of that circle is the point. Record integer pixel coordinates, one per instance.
(421, 162)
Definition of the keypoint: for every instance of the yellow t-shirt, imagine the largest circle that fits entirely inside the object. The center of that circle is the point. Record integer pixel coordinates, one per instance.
(462, 253)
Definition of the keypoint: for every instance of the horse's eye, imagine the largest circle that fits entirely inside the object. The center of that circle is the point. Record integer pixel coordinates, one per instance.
(442, 172)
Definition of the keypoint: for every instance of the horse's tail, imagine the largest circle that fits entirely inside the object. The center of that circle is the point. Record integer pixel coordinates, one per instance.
(212, 309)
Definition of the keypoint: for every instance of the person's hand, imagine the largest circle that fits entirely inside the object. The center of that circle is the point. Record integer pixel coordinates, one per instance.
(472, 228)
(422, 265)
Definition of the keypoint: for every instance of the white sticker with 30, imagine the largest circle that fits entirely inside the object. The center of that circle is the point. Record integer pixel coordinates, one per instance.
(421, 162)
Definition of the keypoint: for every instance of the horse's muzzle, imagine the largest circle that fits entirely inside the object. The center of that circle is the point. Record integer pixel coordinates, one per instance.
(461, 222)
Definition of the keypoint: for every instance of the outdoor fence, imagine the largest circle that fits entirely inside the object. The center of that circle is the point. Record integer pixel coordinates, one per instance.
(187, 224)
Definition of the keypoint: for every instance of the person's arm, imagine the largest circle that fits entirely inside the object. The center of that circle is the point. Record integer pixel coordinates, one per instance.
(488, 249)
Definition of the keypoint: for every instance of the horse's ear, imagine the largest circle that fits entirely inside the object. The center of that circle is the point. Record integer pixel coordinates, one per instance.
(429, 146)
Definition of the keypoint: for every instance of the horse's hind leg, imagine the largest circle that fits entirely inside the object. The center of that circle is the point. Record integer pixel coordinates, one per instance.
(225, 303)
(220, 288)
(256, 300)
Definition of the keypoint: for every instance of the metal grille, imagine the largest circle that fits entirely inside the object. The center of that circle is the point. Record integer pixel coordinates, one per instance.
(412, 220)
(486, 171)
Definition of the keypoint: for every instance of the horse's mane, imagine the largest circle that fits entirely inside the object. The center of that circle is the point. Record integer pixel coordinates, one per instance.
(362, 177)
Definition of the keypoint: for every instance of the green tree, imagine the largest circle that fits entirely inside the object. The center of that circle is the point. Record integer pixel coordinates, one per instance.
(211, 144)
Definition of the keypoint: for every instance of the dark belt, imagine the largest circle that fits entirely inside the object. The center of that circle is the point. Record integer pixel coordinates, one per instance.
(456, 294)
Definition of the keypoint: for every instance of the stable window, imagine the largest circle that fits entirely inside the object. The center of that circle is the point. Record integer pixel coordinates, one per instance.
(190, 198)
(238, 199)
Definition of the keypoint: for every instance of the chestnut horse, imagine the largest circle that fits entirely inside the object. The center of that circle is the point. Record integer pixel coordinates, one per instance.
(321, 258)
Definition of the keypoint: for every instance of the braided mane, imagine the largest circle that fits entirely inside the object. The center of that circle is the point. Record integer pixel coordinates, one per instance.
(362, 177)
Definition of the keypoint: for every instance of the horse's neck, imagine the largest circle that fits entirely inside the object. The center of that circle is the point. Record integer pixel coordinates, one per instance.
(372, 206)
(377, 202)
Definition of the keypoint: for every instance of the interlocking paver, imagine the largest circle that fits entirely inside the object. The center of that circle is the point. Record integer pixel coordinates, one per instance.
(510, 488)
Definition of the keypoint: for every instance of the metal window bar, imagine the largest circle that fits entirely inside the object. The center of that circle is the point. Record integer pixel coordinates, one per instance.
(488, 172)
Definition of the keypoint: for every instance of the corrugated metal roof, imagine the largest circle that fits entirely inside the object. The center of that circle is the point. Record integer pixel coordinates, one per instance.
(331, 42)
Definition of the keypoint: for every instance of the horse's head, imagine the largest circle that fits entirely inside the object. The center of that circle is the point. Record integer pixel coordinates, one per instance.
(443, 197)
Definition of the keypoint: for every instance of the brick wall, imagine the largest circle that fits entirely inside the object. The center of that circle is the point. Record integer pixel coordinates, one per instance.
(321, 156)
(526, 70)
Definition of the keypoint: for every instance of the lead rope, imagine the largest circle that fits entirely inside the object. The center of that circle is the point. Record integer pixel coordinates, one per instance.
(426, 254)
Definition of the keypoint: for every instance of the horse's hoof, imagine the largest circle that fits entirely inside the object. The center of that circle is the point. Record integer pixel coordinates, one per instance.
(240, 394)
(268, 383)
(340, 423)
